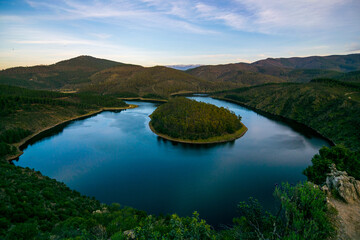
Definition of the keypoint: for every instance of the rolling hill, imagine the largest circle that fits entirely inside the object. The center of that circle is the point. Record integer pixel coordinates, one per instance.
(65, 74)
(86, 73)
(341, 63)
(282, 70)
(139, 81)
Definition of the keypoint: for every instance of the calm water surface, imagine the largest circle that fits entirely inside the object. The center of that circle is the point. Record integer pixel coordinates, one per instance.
(115, 157)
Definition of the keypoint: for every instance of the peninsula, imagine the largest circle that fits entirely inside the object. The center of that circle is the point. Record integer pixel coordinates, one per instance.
(188, 121)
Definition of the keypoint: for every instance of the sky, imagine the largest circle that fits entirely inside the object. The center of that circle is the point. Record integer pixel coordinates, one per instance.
(167, 32)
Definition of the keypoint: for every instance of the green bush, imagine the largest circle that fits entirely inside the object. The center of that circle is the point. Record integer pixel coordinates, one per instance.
(303, 214)
(344, 159)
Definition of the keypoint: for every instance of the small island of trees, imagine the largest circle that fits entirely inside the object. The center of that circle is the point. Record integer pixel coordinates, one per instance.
(185, 120)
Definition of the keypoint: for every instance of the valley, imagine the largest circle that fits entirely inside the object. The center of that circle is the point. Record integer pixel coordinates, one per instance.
(321, 93)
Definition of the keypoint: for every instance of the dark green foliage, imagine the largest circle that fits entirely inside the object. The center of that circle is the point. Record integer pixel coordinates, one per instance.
(303, 215)
(237, 98)
(15, 98)
(126, 95)
(6, 149)
(334, 83)
(23, 231)
(350, 77)
(30, 197)
(100, 100)
(188, 119)
(344, 159)
(14, 135)
(153, 96)
(174, 228)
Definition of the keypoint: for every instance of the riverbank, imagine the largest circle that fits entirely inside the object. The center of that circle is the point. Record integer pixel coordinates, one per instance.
(145, 99)
(220, 139)
(23, 143)
(275, 117)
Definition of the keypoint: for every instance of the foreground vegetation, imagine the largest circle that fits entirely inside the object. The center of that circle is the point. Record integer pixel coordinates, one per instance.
(330, 107)
(187, 119)
(24, 112)
(343, 158)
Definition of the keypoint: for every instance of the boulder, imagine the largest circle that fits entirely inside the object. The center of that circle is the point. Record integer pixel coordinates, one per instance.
(346, 186)
(129, 234)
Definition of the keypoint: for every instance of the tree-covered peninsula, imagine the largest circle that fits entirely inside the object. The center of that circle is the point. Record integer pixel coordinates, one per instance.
(186, 120)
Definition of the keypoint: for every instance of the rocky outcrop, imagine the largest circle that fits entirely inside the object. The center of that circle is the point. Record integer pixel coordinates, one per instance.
(129, 234)
(347, 187)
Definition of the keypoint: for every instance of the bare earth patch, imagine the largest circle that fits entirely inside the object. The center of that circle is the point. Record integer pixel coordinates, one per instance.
(348, 219)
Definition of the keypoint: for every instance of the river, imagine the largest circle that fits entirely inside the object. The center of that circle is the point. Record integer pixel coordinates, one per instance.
(115, 157)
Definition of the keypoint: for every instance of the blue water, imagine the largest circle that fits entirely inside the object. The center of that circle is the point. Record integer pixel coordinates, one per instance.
(115, 157)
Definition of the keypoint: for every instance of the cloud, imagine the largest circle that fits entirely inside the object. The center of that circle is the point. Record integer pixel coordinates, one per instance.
(138, 13)
(230, 18)
(262, 16)
(353, 47)
(299, 15)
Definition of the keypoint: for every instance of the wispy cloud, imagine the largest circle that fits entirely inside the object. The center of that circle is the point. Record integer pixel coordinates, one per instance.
(138, 13)
(261, 16)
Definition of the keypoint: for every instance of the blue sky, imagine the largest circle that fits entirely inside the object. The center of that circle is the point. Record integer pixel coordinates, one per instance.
(164, 32)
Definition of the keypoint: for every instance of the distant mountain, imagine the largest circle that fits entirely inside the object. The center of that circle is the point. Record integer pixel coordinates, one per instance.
(236, 75)
(105, 76)
(281, 69)
(68, 73)
(134, 80)
(342, 63)
(184, 67)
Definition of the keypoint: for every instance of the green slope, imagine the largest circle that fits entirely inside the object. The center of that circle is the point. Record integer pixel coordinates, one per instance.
(280, 70)
(141, 81)
(341, 63)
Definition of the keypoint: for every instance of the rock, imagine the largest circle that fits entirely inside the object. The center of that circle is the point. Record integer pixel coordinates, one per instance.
(129, 234)
(346, 186)
(325, 189)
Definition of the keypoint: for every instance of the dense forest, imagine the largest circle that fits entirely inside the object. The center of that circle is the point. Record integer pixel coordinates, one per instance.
(188, 119)
(329, 106)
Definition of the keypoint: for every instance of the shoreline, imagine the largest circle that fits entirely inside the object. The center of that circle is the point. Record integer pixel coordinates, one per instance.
(227, 138)
(144, 99)
(279, 117)
(25, 141)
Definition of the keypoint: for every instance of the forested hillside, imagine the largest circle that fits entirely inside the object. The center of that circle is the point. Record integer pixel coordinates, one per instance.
(328, 106)
(282, 70)
(341, 63)
(139, 81)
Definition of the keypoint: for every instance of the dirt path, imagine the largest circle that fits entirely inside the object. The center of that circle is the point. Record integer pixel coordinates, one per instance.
(348, 219)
